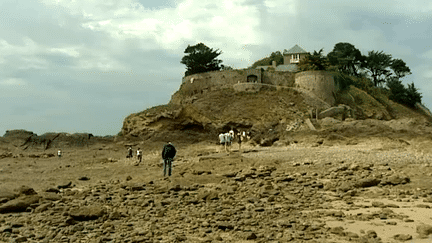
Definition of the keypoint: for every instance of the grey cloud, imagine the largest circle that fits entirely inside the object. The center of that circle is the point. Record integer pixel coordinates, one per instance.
(69, 97)
(158, 4)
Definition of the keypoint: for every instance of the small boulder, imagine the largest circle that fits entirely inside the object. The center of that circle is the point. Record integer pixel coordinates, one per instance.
(402, 237)
(424, 230)
(51, 196)
(25, 190)
(87, 213)
(251, 236)
(64, 185)
(19, 204)
(368, 182)
(6, 195)
(395, 180)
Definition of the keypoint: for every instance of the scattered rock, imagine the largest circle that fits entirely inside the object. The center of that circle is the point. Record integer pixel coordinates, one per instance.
(51, 196)
(337, 231)
(65, 185)
(424, 230)
(87, 212)
(251, 236)
(395, 180)
(19, 204)
(402, 237)
(378, 204)
(368, 182)
(6, 195)
(371, 234)
(25, 190)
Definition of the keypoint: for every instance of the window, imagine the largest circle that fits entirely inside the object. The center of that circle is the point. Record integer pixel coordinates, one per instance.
(295, 58)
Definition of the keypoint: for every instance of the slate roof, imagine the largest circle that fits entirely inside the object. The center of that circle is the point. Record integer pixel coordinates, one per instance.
(295, 50)
(263, 67)
(287, 68)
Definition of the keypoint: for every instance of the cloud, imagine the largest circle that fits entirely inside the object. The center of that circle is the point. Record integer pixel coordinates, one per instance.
(12, 82)
(170, 28)
(70, 51)
(100, 60)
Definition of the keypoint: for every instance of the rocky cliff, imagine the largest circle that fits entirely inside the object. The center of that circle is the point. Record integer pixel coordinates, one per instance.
(202, 115)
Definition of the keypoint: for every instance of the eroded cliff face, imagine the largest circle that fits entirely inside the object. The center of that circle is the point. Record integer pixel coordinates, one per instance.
(214, 112)
(201, 116)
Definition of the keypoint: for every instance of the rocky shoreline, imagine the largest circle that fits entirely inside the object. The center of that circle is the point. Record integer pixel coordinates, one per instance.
(259, 203)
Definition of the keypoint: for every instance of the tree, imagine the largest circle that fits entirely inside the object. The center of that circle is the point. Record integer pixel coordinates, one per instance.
(200, 59)
(226, 67)
(413, 96)
(398, 92)
(274, 56)
(378, 64)
(400, 68)
(315, 61)
(346, 58)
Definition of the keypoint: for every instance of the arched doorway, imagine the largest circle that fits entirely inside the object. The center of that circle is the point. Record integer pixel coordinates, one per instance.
(252, 79)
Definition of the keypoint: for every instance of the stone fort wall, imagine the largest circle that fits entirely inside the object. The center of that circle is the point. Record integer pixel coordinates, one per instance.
(203, 82)
(320, 83)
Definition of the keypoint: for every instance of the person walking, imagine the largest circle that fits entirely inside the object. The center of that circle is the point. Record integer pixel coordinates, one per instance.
(239, 140)
(228, 141)
(130, 153)
(222, 140)
(231, 133)
(168, 154)
(139, 156)
(59, 153)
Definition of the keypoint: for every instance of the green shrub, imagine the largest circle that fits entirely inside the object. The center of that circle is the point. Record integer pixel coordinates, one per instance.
(398, 92)
(343, 81)
(413, 96)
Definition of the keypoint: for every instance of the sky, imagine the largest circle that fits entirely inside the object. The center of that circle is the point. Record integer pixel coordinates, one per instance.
(84, 65)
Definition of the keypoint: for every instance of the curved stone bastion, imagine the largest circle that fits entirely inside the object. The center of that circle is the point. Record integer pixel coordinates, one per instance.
(320, 83)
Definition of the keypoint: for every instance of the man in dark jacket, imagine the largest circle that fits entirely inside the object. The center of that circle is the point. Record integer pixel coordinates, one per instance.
(168, 153)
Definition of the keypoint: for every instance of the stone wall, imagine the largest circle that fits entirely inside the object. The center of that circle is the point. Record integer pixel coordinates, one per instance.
(257, 73)
(203, 82)
(321, 83)
(255, 87)
(278, 78)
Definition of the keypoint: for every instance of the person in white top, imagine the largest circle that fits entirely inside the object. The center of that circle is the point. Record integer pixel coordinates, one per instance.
(59, 153)
(222, 139)
(139, 155)
(228, 141)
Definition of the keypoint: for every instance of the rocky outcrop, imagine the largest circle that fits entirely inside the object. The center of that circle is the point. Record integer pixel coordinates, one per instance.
(202, 115)
(28, 140)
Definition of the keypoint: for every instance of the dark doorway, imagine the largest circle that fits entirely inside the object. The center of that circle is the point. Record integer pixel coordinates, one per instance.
(252, 79)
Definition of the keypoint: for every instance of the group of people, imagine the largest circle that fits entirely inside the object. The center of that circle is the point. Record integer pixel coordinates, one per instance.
(169, 151)
(138, 153)
(168, 154)
(226, 139)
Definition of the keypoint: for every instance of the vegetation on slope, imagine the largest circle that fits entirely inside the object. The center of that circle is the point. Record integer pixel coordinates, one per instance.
(377, 73)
